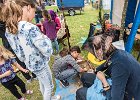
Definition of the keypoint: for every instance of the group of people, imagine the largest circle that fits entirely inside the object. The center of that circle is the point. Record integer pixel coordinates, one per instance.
(32, 50)
(121, 67)
(122, 78)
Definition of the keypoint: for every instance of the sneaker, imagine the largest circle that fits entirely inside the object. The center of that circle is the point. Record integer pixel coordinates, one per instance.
(29, 92)
(64, 83)
(56, 97)
(22, 98)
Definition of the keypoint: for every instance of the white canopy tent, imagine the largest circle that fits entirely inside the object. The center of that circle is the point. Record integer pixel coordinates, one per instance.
(117, 11)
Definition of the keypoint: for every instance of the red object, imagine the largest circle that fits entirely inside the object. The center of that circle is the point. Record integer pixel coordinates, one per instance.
(108, 26)
(40, 26)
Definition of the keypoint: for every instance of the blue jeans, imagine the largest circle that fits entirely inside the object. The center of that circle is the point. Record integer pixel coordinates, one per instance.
(37, 18)
(55, 45)
(66, 74)
(81, 93)
(46, 84)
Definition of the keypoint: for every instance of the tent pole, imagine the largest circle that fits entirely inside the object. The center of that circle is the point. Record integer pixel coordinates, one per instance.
(111, 11)
(133, 32)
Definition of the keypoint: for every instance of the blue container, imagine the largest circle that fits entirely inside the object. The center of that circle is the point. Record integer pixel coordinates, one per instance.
(70, 4)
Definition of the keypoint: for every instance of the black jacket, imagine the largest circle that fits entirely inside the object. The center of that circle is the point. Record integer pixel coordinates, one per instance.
(2, 35)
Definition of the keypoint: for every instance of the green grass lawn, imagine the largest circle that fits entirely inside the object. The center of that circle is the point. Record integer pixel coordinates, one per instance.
(78, 27)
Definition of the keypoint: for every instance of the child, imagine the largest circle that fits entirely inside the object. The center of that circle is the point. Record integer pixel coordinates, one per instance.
(50, 29)
(28, 43)
(56, 19)
(65, 67)
(8, 77)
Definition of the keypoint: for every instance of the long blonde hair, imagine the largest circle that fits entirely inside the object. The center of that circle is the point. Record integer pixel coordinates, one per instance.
(12, 12)
(5, 54)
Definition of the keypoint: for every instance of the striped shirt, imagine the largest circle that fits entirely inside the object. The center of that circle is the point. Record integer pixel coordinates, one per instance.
(62, 63)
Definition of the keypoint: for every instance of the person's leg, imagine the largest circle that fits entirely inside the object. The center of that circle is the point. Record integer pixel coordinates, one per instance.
(66, 74)
(100, 75)
(81, 93)
(12, 88)
(20, 84)
(56, 45)
(45, 87)
(36, 18)
(45, 82)
(92, 4)
(41, 87)
(88, 79)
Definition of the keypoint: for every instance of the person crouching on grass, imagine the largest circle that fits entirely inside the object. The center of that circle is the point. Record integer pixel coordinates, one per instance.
(8, 77)
(65, 67)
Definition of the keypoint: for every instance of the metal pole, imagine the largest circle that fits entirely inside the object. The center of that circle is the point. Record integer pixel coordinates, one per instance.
(133, 32)
(111, 11)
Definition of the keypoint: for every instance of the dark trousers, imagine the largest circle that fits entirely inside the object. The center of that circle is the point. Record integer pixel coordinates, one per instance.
(36, 18)
(66, 74)
(10, 85)
(87, 80)
(81, 93)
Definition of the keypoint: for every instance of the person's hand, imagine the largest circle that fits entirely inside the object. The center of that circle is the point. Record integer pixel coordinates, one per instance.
(85, 69)
(78, 61)
(26, 71)
(90, 71)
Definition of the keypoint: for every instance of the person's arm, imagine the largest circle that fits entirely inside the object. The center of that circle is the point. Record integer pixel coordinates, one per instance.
(41, 41)
(14, 62)
(137, 35)
(7, 73)
(70, 60)
(100, 68)
(58, 24)
(20, 68)
(44, 30)
(100, 75)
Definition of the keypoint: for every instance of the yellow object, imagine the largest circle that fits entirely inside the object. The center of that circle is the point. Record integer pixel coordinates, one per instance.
(93, 59)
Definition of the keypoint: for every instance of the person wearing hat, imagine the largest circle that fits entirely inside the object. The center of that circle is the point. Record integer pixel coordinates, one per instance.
(120, 66)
